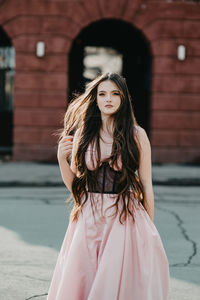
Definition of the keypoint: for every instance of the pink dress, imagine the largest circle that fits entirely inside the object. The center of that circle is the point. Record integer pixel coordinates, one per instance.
(102, 259)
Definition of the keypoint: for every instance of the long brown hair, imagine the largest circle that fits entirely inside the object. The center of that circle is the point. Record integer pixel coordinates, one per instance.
(84, 114)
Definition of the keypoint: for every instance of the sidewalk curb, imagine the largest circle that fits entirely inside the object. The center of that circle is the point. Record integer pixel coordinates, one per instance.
(168, 182)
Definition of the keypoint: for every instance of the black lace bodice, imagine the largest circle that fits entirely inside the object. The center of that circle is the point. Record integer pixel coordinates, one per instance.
(107, 180)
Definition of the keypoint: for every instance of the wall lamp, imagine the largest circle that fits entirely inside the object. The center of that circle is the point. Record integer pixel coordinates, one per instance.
(181, 52)
(40, 49)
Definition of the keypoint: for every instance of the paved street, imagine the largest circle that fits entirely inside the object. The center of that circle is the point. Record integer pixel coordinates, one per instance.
(33, 222)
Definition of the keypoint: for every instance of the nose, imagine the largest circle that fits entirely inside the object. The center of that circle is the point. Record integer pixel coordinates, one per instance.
(108, 98)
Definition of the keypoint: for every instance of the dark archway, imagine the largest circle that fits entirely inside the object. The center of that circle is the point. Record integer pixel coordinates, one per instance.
(136, 63)
(7, 65)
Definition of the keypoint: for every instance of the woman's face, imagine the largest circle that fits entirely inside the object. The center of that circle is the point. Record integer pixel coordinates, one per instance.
(108, 97)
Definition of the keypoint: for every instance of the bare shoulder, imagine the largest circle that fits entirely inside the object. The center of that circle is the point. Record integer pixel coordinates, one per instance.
(140, 132)
(141, 137)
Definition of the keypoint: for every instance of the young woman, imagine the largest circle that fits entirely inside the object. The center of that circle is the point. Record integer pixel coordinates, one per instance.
(112, 249)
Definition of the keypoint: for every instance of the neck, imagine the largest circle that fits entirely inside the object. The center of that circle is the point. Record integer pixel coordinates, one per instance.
(107, 124)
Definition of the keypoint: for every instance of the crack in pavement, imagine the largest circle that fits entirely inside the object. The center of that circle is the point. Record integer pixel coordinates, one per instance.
(185, 235)
(23, 275)
(36, 278)
(178, 201)
(35, 296)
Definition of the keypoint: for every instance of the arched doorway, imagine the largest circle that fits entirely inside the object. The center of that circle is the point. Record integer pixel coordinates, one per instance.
(7, 65)
(125, 41)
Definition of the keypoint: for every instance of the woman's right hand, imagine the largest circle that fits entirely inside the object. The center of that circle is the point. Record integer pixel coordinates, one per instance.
(65, 147)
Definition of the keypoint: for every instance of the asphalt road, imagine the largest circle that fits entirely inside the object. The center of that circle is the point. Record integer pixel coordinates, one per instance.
(33, 222)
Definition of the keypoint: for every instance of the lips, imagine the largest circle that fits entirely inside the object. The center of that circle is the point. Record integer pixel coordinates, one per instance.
(109, 105)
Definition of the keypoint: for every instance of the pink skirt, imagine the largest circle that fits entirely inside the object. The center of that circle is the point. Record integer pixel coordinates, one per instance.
(102, 259)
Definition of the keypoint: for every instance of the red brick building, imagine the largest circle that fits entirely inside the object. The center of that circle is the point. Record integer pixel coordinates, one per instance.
(146, 33)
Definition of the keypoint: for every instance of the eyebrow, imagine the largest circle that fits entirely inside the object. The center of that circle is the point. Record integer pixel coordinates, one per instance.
(111, 91)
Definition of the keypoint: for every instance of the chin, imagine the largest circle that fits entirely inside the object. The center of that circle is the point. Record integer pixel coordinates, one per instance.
(110, 111)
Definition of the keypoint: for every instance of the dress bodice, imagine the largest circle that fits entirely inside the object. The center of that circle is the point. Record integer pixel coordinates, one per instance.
(107, 176)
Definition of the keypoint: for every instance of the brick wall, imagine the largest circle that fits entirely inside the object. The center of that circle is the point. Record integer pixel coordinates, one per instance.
(40, 96)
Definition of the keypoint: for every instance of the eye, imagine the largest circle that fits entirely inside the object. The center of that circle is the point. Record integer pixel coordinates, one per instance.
(116, 93)
(101, 94)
